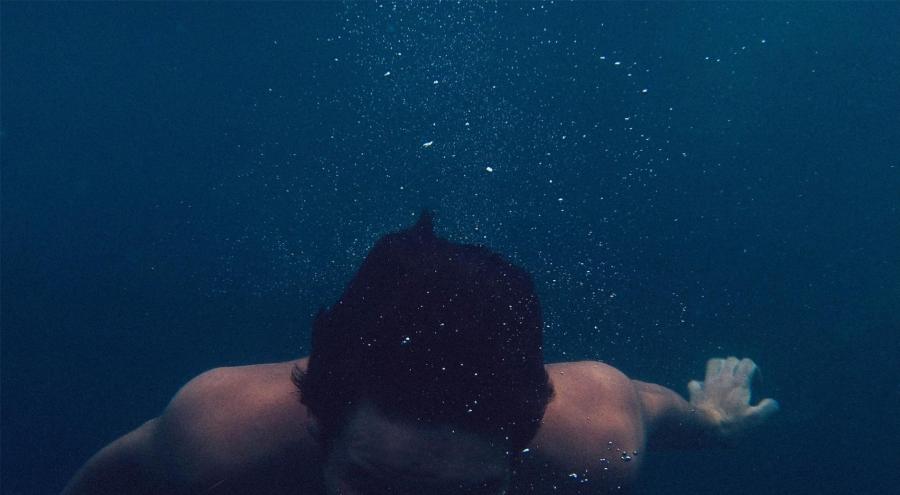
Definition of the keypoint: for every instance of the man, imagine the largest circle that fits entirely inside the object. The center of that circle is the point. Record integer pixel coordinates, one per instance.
(426, 377)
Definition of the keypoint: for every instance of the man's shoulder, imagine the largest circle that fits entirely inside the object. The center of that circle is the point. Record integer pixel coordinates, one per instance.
(268, 383)
(596, 370)
(593, 425)
(592, 387)
(232, 419)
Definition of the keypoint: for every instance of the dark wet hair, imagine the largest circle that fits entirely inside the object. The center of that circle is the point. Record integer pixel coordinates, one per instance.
(431, 331)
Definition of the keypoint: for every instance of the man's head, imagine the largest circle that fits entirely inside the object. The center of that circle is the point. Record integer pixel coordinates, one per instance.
(432, 355)
(378, 454)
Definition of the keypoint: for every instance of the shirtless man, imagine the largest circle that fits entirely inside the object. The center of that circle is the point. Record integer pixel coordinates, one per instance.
(426, 377)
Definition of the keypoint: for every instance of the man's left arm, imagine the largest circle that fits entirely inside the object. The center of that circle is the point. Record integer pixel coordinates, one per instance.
(718, 412)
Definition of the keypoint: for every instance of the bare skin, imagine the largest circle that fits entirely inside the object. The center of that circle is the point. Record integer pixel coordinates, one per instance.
(243, 430)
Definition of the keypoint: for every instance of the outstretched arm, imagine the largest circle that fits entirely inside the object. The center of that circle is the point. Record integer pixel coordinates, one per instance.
(150, 459)
(718, 413)
(125, 466)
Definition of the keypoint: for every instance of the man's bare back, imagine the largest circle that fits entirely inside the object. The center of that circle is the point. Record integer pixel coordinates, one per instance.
(426, 376)
(244, 430)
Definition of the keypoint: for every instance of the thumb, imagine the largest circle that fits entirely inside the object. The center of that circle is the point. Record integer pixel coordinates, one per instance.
(763, 410)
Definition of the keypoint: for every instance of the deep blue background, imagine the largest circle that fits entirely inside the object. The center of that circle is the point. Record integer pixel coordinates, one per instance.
(183, 185)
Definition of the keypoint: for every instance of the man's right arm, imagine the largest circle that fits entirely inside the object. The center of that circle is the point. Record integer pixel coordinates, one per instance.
(165, 454)
(129, 465)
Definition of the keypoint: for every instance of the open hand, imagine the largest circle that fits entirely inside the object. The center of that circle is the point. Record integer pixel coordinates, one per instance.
(724, 396)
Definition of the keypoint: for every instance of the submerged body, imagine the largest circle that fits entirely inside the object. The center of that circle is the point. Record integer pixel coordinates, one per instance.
(244, 430)
(426, 377)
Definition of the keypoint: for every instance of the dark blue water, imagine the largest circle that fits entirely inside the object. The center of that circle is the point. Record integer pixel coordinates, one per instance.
(184, 185)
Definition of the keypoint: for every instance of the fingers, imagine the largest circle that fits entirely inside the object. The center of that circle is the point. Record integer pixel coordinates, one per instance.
(729, 366)
(745, 370)
(695, 389)
(719, 369)
(713, 366)
(741, 369)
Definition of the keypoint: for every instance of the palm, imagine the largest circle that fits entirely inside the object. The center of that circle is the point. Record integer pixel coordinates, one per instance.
(724, 396)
